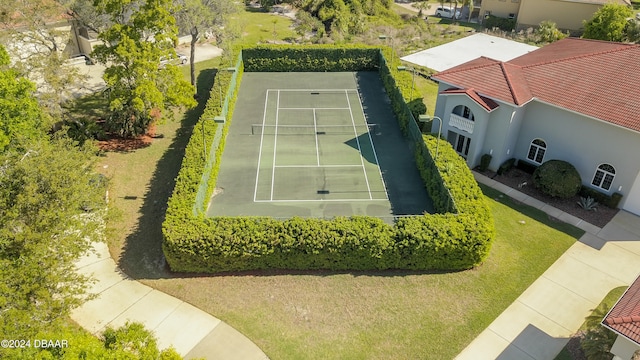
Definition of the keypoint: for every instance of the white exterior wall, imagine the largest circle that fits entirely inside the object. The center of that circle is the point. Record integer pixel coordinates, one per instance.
(445, 105)
(624, 348)
(584, 142)
(504, 125)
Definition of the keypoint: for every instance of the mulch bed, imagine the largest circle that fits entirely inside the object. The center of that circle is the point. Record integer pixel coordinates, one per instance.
(118, 144)
(521, 181)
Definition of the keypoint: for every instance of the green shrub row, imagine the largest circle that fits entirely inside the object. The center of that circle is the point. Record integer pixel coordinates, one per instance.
(443, 241)
(611, 201)
(503, 24)
(313, 58)
(180, 219)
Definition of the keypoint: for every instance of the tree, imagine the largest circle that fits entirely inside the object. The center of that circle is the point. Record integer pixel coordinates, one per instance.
(43, 231)
(548, 32)
(20, 114)
(422, 5)
(469, 5)
(39, 49)
(608, 23)
(141, 90)
(196, 16)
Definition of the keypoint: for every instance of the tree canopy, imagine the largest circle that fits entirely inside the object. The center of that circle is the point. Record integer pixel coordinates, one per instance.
(141, 91)
(608, 23)
(20, 114)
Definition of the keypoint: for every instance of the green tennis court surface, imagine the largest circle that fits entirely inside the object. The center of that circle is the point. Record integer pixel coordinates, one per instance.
(316, 144)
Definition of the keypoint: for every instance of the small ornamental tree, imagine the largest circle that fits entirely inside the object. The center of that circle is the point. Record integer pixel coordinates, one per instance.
(141, 90)
(608, 23)
(557, 178)
(548, 32)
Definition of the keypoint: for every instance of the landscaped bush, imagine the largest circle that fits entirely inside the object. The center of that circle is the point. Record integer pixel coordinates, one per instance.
(485, 160)
(557, 178)
(506, 166)
(527, 167)
(610, 201)
(458, 238)
(313, 58)
(503, 24)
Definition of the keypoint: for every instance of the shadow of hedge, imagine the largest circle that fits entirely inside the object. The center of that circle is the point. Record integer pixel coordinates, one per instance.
(142, 255)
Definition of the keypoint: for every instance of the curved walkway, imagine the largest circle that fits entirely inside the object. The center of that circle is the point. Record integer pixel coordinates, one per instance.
(539, 323)
(192, 332)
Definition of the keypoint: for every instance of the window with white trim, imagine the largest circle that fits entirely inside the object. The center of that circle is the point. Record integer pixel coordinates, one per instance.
(536, 151)
(603, 177)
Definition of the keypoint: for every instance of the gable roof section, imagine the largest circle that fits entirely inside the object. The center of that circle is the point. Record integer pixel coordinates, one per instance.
(624, 317)
(485, 102)
(595, 78)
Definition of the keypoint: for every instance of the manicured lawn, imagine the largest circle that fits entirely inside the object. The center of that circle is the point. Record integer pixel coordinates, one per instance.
(326, 315)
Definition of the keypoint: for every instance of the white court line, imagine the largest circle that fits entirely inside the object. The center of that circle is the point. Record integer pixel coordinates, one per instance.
(373, 147)
(313, 90)
(275, 143)
(316, 166)
(264, 118)
(315, 131)
(321, 200)
(355, 131)
(319, 108)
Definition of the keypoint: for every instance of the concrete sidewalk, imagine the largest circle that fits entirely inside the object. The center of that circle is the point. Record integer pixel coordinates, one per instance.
(539, 323)
(192, 332)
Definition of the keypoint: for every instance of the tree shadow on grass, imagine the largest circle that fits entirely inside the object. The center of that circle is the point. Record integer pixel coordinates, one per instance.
(142, 256)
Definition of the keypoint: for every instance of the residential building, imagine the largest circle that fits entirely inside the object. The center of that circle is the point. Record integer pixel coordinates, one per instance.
(624, 320)
(567, 14)
(575, 100)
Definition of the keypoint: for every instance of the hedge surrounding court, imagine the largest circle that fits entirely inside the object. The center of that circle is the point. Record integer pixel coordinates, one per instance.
(446, 241)
(312, 58)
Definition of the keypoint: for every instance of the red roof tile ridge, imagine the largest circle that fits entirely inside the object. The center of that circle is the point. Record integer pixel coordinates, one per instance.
(509, 78)
(621, 47)
(462, 68)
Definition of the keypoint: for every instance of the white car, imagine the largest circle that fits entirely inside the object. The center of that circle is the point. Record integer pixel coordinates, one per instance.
(446, 12)
(180, 59)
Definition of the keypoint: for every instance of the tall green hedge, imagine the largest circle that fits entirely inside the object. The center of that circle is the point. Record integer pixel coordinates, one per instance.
(318, 58)
(447, 241)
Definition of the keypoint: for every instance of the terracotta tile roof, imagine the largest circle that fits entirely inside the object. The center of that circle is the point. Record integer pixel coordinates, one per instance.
(595, 78)
(624, 317)
(485, 102)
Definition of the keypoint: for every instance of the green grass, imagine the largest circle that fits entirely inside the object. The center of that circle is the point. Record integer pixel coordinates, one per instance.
(257, 27)
(324, 315)
(327, 315)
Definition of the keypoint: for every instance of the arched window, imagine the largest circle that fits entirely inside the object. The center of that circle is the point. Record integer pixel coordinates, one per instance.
(604, 176)
(536, 151)
(464, 111)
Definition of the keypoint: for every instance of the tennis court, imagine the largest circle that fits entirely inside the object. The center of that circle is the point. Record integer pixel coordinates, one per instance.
(315, 145)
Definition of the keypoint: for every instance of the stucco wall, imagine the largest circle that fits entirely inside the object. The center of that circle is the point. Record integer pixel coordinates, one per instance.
(500, 8)
(444, 107)
(584, 142)
(624, 348)
(504, 125)
(566, 14)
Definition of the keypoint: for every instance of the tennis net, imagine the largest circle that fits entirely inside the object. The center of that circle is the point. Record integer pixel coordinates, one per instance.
(259, 129)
